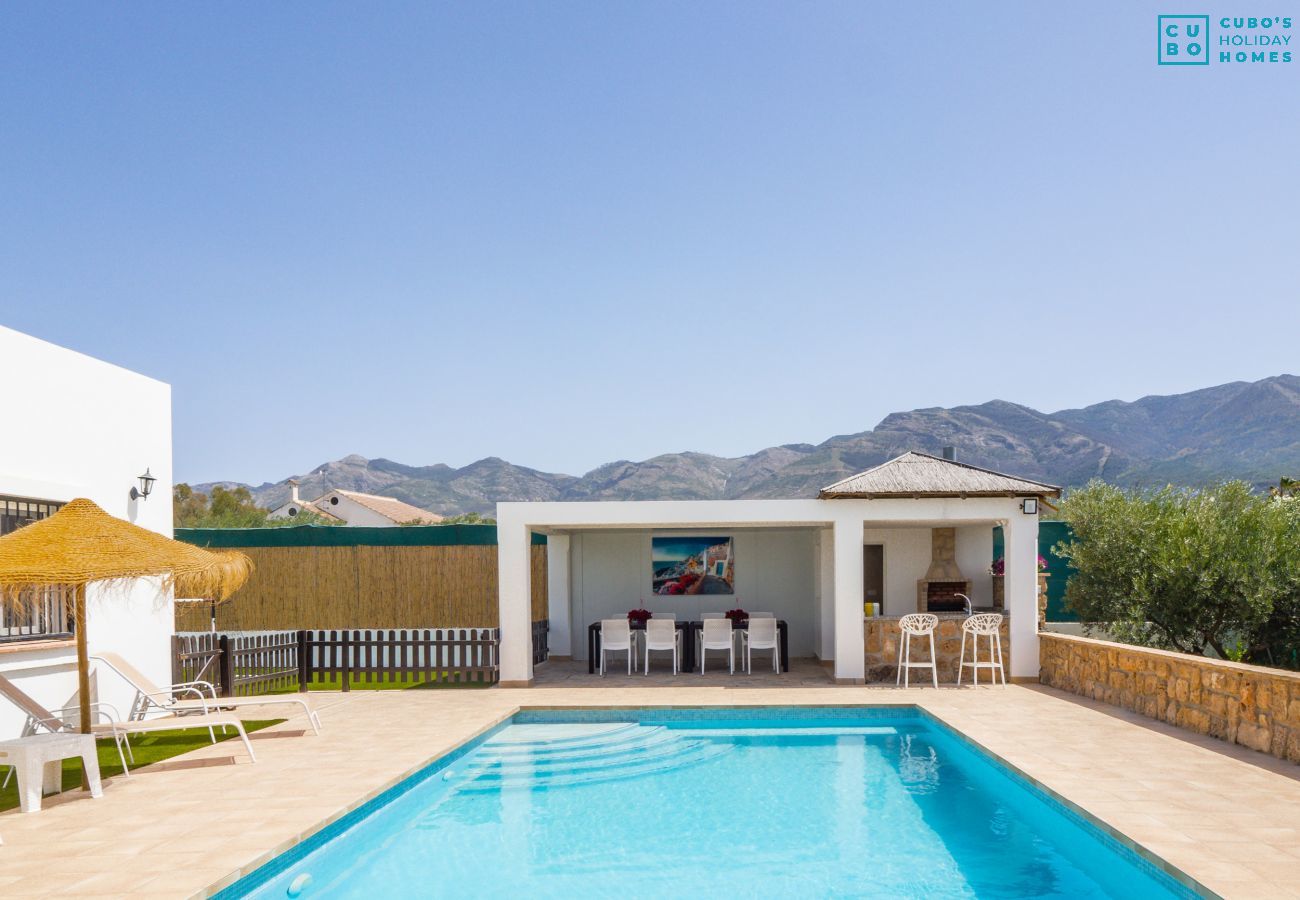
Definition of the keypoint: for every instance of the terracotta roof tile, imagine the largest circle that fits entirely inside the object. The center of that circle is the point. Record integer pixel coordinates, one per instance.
(391, 508)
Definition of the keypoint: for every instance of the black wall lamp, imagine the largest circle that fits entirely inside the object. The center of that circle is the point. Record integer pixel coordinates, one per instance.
(145, 488)
(1029, 506)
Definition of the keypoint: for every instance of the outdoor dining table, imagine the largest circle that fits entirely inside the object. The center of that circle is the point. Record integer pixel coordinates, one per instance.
(688, 630)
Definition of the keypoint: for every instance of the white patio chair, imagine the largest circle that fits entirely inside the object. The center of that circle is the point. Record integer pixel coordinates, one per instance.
(616, 635)
(982, 625)
(758, 615)
(753, 615)
(671, 617)
(761, 635)
(710, 615)
(910, 626)
(194, 696)
(735, 636)
(662, 634)
(716, 635)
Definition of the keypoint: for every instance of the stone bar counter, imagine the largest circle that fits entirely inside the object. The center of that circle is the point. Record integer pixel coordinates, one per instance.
(883, 638)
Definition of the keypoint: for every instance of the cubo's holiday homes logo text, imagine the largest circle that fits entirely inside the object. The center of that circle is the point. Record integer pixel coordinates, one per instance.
(1186, 40)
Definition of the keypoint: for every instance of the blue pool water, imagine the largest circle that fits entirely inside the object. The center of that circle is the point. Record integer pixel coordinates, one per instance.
(777, 803)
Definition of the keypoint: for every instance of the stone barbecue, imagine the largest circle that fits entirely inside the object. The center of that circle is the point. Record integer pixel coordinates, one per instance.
(943, 581)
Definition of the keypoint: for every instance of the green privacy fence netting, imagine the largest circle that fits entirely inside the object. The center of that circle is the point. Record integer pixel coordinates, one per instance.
(1049, 535)
(343, 536)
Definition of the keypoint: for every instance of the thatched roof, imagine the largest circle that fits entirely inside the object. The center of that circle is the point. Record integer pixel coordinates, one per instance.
(921, 475)
(81, 543)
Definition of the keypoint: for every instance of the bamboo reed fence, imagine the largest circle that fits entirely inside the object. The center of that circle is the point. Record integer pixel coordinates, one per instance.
(353, 587)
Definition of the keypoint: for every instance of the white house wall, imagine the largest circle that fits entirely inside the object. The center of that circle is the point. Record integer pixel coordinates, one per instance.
(355, 514)
(85, 428)
(774, 573)
(824, 589)
(907, 556)
(974, 556)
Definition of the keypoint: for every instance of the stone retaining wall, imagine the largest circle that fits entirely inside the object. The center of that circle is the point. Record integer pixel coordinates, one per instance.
(1248, 705)
(882, 639)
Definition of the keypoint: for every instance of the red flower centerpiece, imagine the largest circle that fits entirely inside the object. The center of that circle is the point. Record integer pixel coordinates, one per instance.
(736, 616)
(999, 566)
(638, 616)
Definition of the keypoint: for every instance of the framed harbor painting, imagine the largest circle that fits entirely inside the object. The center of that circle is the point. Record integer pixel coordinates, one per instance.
(692, 565)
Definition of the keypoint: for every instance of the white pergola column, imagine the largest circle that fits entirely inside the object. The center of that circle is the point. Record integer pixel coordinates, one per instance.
(1020, 534)
(825, 636)
(558, 610)
(850, 646)
(515, 603)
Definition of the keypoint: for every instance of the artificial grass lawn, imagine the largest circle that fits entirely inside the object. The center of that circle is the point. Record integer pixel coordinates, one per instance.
(392, 683)
(386, 682)
(148, 748)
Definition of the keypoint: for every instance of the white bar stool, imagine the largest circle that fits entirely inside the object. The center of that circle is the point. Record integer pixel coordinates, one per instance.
(982, 625)
(916, 625)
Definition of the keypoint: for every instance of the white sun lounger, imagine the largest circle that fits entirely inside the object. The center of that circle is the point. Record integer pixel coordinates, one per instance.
(114, 727)
(193, 696)
(106, 722)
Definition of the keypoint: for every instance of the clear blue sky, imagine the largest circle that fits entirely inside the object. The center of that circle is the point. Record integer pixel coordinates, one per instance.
(566, 233)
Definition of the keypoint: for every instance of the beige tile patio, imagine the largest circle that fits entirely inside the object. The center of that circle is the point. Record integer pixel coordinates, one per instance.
(1188, 800)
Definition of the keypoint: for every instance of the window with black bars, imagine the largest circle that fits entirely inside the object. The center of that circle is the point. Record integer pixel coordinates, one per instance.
(15, 512)
(40, 614)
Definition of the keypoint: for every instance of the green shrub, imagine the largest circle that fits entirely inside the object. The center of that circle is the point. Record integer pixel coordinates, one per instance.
(1190, 570)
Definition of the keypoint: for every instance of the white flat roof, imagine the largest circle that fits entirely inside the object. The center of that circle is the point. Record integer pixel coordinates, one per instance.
(695, 514)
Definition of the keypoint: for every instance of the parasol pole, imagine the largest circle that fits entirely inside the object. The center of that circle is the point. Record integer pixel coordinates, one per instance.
(83, 668)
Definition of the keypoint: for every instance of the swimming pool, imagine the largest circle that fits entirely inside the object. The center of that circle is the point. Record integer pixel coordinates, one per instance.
(719, 802)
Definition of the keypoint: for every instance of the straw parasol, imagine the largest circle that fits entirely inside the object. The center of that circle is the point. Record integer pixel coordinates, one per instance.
(81, 543)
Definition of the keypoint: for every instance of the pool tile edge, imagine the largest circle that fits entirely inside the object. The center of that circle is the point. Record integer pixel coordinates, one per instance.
(263, 858)
(906, 708)
(1115, 834)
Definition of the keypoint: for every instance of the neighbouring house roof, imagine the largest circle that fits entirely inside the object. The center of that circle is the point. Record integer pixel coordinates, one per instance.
(308, 506)
(389, 507)
(318, 510)
(922, 475)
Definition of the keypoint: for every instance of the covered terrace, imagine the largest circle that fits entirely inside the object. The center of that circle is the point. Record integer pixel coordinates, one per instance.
(903, 535)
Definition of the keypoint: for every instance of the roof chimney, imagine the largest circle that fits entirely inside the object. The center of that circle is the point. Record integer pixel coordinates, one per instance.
(950, 453)
(293, 491)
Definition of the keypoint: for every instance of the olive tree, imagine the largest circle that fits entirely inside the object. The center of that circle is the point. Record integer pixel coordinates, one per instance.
(1184, 569)
(1277, 641)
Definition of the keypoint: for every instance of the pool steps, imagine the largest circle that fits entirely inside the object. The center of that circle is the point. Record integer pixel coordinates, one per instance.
(559, 735)
(603, 755)
(608, 747)
(585, 753)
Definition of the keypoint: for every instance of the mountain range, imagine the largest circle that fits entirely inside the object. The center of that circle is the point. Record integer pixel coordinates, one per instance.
(1246, 430)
